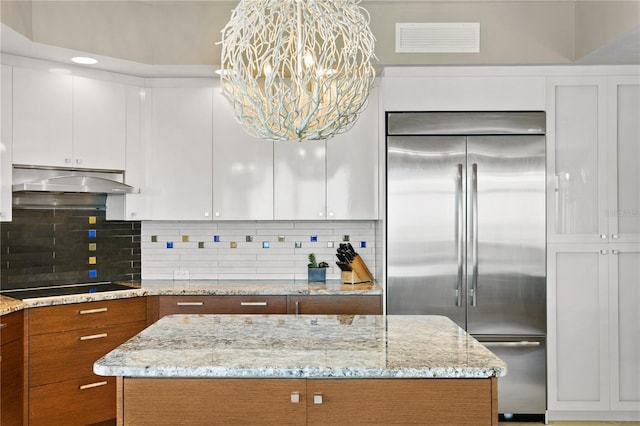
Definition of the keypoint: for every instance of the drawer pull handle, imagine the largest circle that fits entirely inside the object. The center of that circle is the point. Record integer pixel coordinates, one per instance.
(94, 336)
(93, 385)
(189, 303)
(93, 311)
(3, 326)
(253, 303)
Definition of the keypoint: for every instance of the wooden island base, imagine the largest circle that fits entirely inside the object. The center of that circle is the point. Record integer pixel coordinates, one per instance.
(172, 401)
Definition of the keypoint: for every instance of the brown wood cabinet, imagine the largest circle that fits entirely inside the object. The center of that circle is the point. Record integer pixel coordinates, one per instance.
(168, 305)
(308, 401)
(338, 304)
(11, 369)
(64, 342)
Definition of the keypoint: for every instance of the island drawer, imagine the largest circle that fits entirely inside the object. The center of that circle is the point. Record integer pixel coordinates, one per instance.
(76, 316)
(169, 305)
(337, 305)
(56, 357)
(82, 401)
(11, 326)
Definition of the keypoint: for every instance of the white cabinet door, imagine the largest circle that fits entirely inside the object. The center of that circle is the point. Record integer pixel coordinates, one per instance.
(624, 157)
(42, 118)
(99, 124)
(179, 154)
(242, 168)
(299, 180)
(5, 143)
(576, 135)
(352, 168)
(578, 343)
(624, 316)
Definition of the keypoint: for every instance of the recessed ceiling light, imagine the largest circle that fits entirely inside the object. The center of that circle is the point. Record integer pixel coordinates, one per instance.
(84, 60)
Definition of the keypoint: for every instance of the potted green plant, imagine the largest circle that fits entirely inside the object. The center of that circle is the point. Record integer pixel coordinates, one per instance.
(317, 271)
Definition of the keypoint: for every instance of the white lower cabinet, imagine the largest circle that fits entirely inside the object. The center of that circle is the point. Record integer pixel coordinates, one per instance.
(5, 143)
(179, 152)
(594, 331)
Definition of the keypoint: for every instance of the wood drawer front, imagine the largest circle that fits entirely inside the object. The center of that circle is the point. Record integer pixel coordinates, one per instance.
(11, 327)
(79, 402)
(11, 365)
(75, 316)
(169, 305)
(337, 305)
(57, 357)
(170, 402)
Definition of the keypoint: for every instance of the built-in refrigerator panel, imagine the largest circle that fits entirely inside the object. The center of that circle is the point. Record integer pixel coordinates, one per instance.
(506, 258)
(425, 215)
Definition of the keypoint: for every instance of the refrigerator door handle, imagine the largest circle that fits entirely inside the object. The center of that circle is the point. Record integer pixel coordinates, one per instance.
(517, 344)
(459, 232)
(474, 234)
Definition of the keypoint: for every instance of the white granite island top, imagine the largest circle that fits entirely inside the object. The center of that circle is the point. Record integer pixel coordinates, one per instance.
(302, 346)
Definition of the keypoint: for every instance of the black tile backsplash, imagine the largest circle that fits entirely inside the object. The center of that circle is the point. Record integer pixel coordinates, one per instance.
(50, 247)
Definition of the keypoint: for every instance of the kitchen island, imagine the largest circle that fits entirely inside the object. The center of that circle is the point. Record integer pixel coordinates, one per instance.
(304, 369)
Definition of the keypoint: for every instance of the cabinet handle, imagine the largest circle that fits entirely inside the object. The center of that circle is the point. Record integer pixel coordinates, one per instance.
(94, 336)
(253, 303)
(189, 303)
(603, 236)
(93, 311)
(317, 398)
(93, 385)
(295, 397)
(78, 160)
(297, 307)
(67, 160)
(614, 252)
(603, 252)
(614, 236)
(3, 326)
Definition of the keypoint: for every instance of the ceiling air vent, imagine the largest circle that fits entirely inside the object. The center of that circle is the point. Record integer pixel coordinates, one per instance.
(438, 37)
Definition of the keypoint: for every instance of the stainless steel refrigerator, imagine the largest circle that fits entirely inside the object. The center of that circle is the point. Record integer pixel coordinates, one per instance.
(466, 234)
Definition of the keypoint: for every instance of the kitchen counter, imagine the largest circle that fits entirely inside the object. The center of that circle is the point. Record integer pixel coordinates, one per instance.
(9, 305)
(201, 287)
(302, 346)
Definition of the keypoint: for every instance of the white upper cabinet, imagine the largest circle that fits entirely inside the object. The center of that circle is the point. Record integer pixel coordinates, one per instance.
(352, 168)
(42, 118)
(299, 180)
(624, 157)
(5, 144)
(242, 168)
(99, 124)
(66, 121)
(593, 138)
(179, 153)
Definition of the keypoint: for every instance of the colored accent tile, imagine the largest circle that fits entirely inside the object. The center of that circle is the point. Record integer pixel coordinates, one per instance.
(313, 238)
(363, 244)
(92, 220)
(169, 244)
(92, 260)
(330, 244)
(93, 273)
(216, 238)
(200, 244)
(248, 238)
(233, 244)
(281, 238)
(345, 238)
(92, 233)
(93, 246)
(154, 238)
(298, 244)
(265, 244)
(185, 238)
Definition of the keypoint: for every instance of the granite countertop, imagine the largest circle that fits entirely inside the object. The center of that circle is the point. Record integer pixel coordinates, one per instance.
(302, 346)
(199, 287)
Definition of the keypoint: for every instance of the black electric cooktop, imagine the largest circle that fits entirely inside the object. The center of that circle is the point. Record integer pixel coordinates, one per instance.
(65, 290)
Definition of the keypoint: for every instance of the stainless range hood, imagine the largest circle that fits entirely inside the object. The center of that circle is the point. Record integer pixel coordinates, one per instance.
(70, 181)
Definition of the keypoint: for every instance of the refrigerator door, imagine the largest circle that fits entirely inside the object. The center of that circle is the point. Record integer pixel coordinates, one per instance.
(506, 235)
(425, 225)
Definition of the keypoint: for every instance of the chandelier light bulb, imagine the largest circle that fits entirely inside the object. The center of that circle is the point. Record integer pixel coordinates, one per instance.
(297, 69)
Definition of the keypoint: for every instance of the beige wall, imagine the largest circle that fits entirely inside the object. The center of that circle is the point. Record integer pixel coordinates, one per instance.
(186, 32)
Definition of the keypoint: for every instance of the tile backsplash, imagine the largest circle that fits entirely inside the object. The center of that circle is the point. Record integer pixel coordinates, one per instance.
(53, 246)
(249, 249)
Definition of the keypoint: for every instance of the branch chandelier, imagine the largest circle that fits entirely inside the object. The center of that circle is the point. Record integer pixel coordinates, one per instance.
(297, 69)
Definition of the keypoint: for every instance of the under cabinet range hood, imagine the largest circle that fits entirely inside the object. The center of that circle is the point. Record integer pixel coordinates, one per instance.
(70, 181)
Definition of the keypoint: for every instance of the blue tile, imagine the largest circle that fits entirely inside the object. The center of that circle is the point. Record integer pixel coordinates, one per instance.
(216, 238)
(265, 244)
(169, 244)
(314, 238)
(92, 233)
(93, 273)
(363, 244)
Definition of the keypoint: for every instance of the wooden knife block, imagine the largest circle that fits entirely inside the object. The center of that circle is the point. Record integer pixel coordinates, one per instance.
(359, 272)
